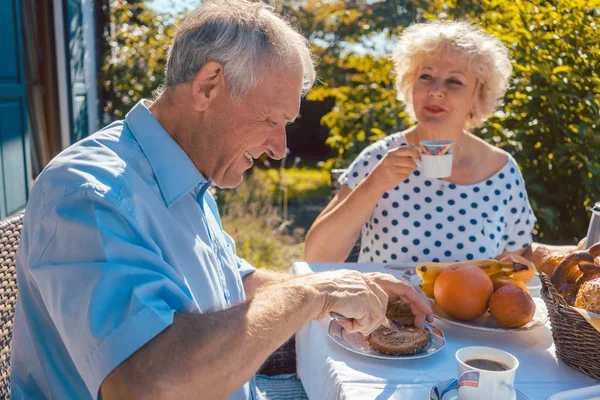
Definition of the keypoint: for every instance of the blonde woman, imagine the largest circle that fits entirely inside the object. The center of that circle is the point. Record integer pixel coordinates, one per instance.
(450, 76)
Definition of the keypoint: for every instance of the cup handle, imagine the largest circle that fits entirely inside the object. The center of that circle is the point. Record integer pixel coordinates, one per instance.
(419, 163)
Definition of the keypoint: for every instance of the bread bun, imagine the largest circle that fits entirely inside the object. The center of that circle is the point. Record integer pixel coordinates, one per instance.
(409, 340)
(463, 291)
(511, 307)
(588, 296)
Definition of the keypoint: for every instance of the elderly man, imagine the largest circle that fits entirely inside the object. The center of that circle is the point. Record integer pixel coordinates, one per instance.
(128, 286)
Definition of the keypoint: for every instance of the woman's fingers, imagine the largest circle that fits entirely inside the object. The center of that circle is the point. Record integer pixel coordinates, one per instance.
(405, 151)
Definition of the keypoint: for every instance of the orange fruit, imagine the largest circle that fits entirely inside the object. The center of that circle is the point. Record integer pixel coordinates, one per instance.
(511, 307)
(463, 291)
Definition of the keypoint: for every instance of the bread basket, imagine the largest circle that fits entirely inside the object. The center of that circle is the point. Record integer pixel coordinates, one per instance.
(576, 341)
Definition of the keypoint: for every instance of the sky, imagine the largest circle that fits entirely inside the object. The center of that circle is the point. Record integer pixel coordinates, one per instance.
(173, 5)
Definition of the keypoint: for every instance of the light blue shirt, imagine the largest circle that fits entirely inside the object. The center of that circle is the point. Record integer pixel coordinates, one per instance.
(120, 233)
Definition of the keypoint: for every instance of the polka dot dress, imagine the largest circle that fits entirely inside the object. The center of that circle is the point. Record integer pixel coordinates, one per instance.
(430, 219)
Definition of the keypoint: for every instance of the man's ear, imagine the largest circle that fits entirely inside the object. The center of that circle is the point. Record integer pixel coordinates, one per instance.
(207, 84)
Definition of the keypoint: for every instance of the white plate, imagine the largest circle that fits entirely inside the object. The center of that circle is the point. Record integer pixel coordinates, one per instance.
(487, 324)
(447, 391)
(586, 393)
(357, 343)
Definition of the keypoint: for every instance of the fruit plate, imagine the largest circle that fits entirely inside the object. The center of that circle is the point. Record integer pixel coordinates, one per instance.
(534, 285)
(447, 390)
(357, 343)
(487, 324)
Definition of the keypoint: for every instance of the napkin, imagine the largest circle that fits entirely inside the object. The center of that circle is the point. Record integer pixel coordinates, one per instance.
(590, 317)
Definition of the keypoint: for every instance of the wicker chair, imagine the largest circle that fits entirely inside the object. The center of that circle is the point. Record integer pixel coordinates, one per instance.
(10, 232)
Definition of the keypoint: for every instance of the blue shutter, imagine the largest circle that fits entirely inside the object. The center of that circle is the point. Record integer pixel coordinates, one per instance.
(14, 177)
(78, 68)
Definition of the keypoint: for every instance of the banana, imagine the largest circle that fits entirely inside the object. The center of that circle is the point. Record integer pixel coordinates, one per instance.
(429, 271)
(498, 282)
(427, 287)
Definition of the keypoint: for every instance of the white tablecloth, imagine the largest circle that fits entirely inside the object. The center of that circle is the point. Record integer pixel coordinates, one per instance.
(329, 371)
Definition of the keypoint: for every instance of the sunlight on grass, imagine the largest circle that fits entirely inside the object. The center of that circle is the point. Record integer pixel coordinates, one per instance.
(251, 216)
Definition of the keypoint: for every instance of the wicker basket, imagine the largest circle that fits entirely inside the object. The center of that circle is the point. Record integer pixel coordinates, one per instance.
(577, 342)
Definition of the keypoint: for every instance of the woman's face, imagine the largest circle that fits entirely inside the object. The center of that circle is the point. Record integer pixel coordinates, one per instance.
(444, 93)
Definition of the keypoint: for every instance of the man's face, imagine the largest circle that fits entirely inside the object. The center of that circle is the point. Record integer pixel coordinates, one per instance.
(242, 130)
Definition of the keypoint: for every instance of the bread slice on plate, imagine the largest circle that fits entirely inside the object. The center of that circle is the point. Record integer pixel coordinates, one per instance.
(401, 312)
(409, 340)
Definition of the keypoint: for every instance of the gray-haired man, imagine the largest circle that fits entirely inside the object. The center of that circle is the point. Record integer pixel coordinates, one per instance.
(128, 286)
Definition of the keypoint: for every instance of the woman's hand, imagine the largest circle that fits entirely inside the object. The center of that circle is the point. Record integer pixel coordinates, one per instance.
(397, 165)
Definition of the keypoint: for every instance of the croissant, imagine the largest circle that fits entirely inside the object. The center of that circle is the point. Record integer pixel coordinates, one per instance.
(545, 260)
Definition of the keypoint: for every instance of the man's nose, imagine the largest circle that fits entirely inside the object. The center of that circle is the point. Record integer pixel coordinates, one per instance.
(277, 144)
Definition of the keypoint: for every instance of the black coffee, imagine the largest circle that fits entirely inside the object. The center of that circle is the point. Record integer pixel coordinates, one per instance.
(489, 365)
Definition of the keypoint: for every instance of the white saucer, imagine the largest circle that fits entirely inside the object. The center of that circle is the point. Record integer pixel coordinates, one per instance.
(447, 391)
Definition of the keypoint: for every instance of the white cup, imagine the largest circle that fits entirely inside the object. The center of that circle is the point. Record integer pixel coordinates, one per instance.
(436, 166)
(477, 383)
(436, 158)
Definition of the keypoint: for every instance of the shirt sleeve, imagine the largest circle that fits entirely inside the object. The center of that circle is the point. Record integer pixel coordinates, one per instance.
(362, 166)
(520, 218)
(103, 282)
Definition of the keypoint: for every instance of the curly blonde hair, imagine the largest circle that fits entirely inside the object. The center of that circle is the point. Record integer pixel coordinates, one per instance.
(486, 55)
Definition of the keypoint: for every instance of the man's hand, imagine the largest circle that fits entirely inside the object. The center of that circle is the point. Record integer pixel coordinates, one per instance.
(364, 298)
(410, 294)
(351, 294)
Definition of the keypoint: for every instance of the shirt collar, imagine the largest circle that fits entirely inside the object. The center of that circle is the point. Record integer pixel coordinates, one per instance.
(175, 173)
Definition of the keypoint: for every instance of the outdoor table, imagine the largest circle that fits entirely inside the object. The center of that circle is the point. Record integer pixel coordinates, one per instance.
(328, 371)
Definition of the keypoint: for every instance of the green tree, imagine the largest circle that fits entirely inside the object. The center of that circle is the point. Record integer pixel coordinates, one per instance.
(134, 62)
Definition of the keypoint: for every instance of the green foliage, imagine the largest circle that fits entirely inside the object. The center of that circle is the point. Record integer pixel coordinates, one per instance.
(134, 61)
(366, 106)
(261, 235)
(551, 111)
(302, 183)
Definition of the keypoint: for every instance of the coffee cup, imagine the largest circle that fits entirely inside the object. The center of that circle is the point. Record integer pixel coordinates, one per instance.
(486, 373)
(436, 158)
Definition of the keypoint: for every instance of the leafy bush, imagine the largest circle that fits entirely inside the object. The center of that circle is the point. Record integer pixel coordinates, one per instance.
(552, 112)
